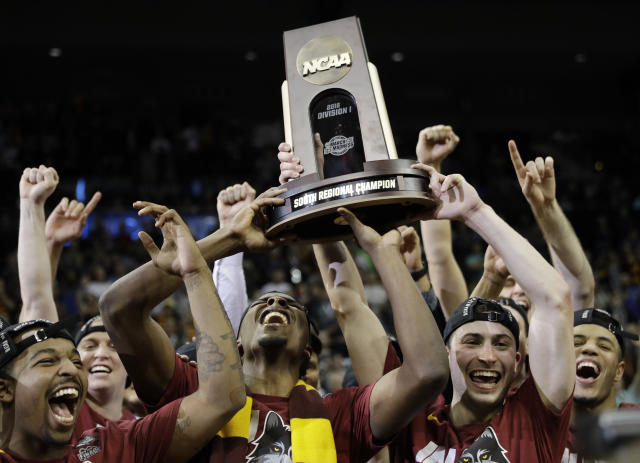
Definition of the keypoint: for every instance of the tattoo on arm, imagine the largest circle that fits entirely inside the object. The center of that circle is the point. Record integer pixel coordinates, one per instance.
(193, 283)
(182, 423)
(210, 359)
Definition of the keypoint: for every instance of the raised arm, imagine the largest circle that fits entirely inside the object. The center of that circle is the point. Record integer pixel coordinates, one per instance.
(434, 145)
(551, 325)
(538, 183)
(403, 392)
(36, 185)
(228, 273)
(126, 306)
(64, 224)
(363, 333)
(221, 391)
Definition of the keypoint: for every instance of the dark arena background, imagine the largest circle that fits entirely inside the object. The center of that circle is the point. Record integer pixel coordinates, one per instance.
(173, 101)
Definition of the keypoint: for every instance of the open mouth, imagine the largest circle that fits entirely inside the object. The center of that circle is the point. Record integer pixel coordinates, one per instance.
(587, 371)
(274, 317)
(485, 377)
(63, 403)
(100, 369)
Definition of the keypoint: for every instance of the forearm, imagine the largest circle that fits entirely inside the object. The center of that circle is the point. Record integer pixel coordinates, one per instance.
(540, 281)
(33, 265)
(221, 391)
(363, 333)
(444, 271)
(337, 267)
(420, 340)
(489, 286)
(401, 393)
(567, 253)
(219, 367)
(55, 252)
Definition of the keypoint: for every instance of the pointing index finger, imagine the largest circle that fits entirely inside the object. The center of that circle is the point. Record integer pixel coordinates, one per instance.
(516, 160)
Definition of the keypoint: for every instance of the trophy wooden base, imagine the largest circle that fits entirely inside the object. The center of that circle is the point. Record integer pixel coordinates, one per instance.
(387, 194)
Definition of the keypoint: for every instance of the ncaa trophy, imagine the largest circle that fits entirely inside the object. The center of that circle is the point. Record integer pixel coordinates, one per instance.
(333, 90)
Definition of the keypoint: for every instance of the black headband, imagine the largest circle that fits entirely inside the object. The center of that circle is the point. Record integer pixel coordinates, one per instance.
(87, 328)
(468, 312)
(9, 349)
(603, 318)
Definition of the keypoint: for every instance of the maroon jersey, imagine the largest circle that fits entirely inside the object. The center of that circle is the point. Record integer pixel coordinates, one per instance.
(269, 429)
(129, 441)
(571, 454)
(89, 419)
(524, 431)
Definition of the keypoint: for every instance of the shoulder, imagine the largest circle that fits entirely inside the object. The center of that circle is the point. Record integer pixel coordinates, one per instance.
(342, 397)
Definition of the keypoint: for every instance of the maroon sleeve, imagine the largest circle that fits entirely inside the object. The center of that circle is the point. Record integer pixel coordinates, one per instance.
(550, 428)
(183, 383)
(130, 441)
(392, 361)
(349, 414)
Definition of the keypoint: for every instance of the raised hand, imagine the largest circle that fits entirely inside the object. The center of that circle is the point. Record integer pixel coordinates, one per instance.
(67, 220)
(410, 248)
(536, 178)
(232, 199)
(290, 165)
(458, 198)
(250, 222)
(494, 265)
(37, 184)
(435, 144)
(179, 254)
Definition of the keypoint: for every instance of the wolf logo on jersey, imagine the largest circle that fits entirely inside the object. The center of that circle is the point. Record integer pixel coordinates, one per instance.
(485, 449)
(274, 444)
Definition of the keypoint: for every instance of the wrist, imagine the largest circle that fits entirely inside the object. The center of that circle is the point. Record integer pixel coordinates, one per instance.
(202, 271)
(416, 265)
(545, 208)
(54, 245)
(476, 215)
(417, 274)
(436, 165)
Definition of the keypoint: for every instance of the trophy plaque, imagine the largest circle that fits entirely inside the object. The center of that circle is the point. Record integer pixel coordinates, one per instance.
(336, 121)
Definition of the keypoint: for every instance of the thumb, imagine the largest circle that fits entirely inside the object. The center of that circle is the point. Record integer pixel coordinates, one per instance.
(251, 192)
(149, 245)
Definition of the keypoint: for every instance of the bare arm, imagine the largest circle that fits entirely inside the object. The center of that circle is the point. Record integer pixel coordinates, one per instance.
(363, 333)
(126, 306)
(400, 394)
(537, 180)
(221, 391)
(434, 145)
(36, 185)
(551, 327)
